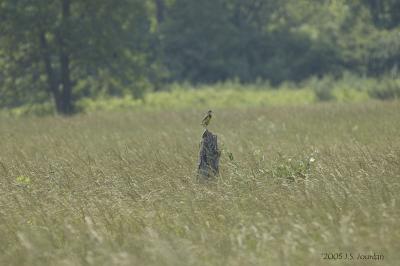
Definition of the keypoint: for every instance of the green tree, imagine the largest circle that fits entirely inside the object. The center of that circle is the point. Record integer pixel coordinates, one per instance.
(209, 41)
(63, 45)
(384, 49)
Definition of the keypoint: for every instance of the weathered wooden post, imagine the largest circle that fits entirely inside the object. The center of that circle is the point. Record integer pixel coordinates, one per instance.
(208, 157)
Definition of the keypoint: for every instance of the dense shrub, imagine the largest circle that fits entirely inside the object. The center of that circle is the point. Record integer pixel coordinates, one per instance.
(322, 88)
(386, 89)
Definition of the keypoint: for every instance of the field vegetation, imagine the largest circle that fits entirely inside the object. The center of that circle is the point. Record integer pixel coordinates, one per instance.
(233, 94)
(119, 188)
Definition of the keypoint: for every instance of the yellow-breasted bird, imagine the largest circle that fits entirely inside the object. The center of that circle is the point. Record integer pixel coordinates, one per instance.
(206, 119)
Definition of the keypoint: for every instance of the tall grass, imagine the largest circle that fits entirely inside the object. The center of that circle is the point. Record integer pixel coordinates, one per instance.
(120, 189)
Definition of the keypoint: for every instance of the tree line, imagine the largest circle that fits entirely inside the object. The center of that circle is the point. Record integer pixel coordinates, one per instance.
(62, 50)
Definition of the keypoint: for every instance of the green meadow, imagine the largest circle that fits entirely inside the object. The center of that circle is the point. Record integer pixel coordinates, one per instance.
(300, 184)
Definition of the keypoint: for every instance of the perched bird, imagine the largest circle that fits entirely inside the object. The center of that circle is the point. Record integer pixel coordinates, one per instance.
(206, 119)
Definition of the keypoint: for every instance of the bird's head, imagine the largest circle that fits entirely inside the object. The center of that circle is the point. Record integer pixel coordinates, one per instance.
(209, 112)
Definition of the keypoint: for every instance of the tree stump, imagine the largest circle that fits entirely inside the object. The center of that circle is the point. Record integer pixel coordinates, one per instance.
(208, 157)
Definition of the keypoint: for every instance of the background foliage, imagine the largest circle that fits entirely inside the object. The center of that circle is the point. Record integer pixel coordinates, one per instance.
(65, 50)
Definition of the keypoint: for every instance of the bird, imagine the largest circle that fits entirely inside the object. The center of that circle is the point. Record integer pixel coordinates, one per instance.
(206, 119)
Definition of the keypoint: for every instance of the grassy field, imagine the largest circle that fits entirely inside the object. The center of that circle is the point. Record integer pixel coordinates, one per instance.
(119, 188)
